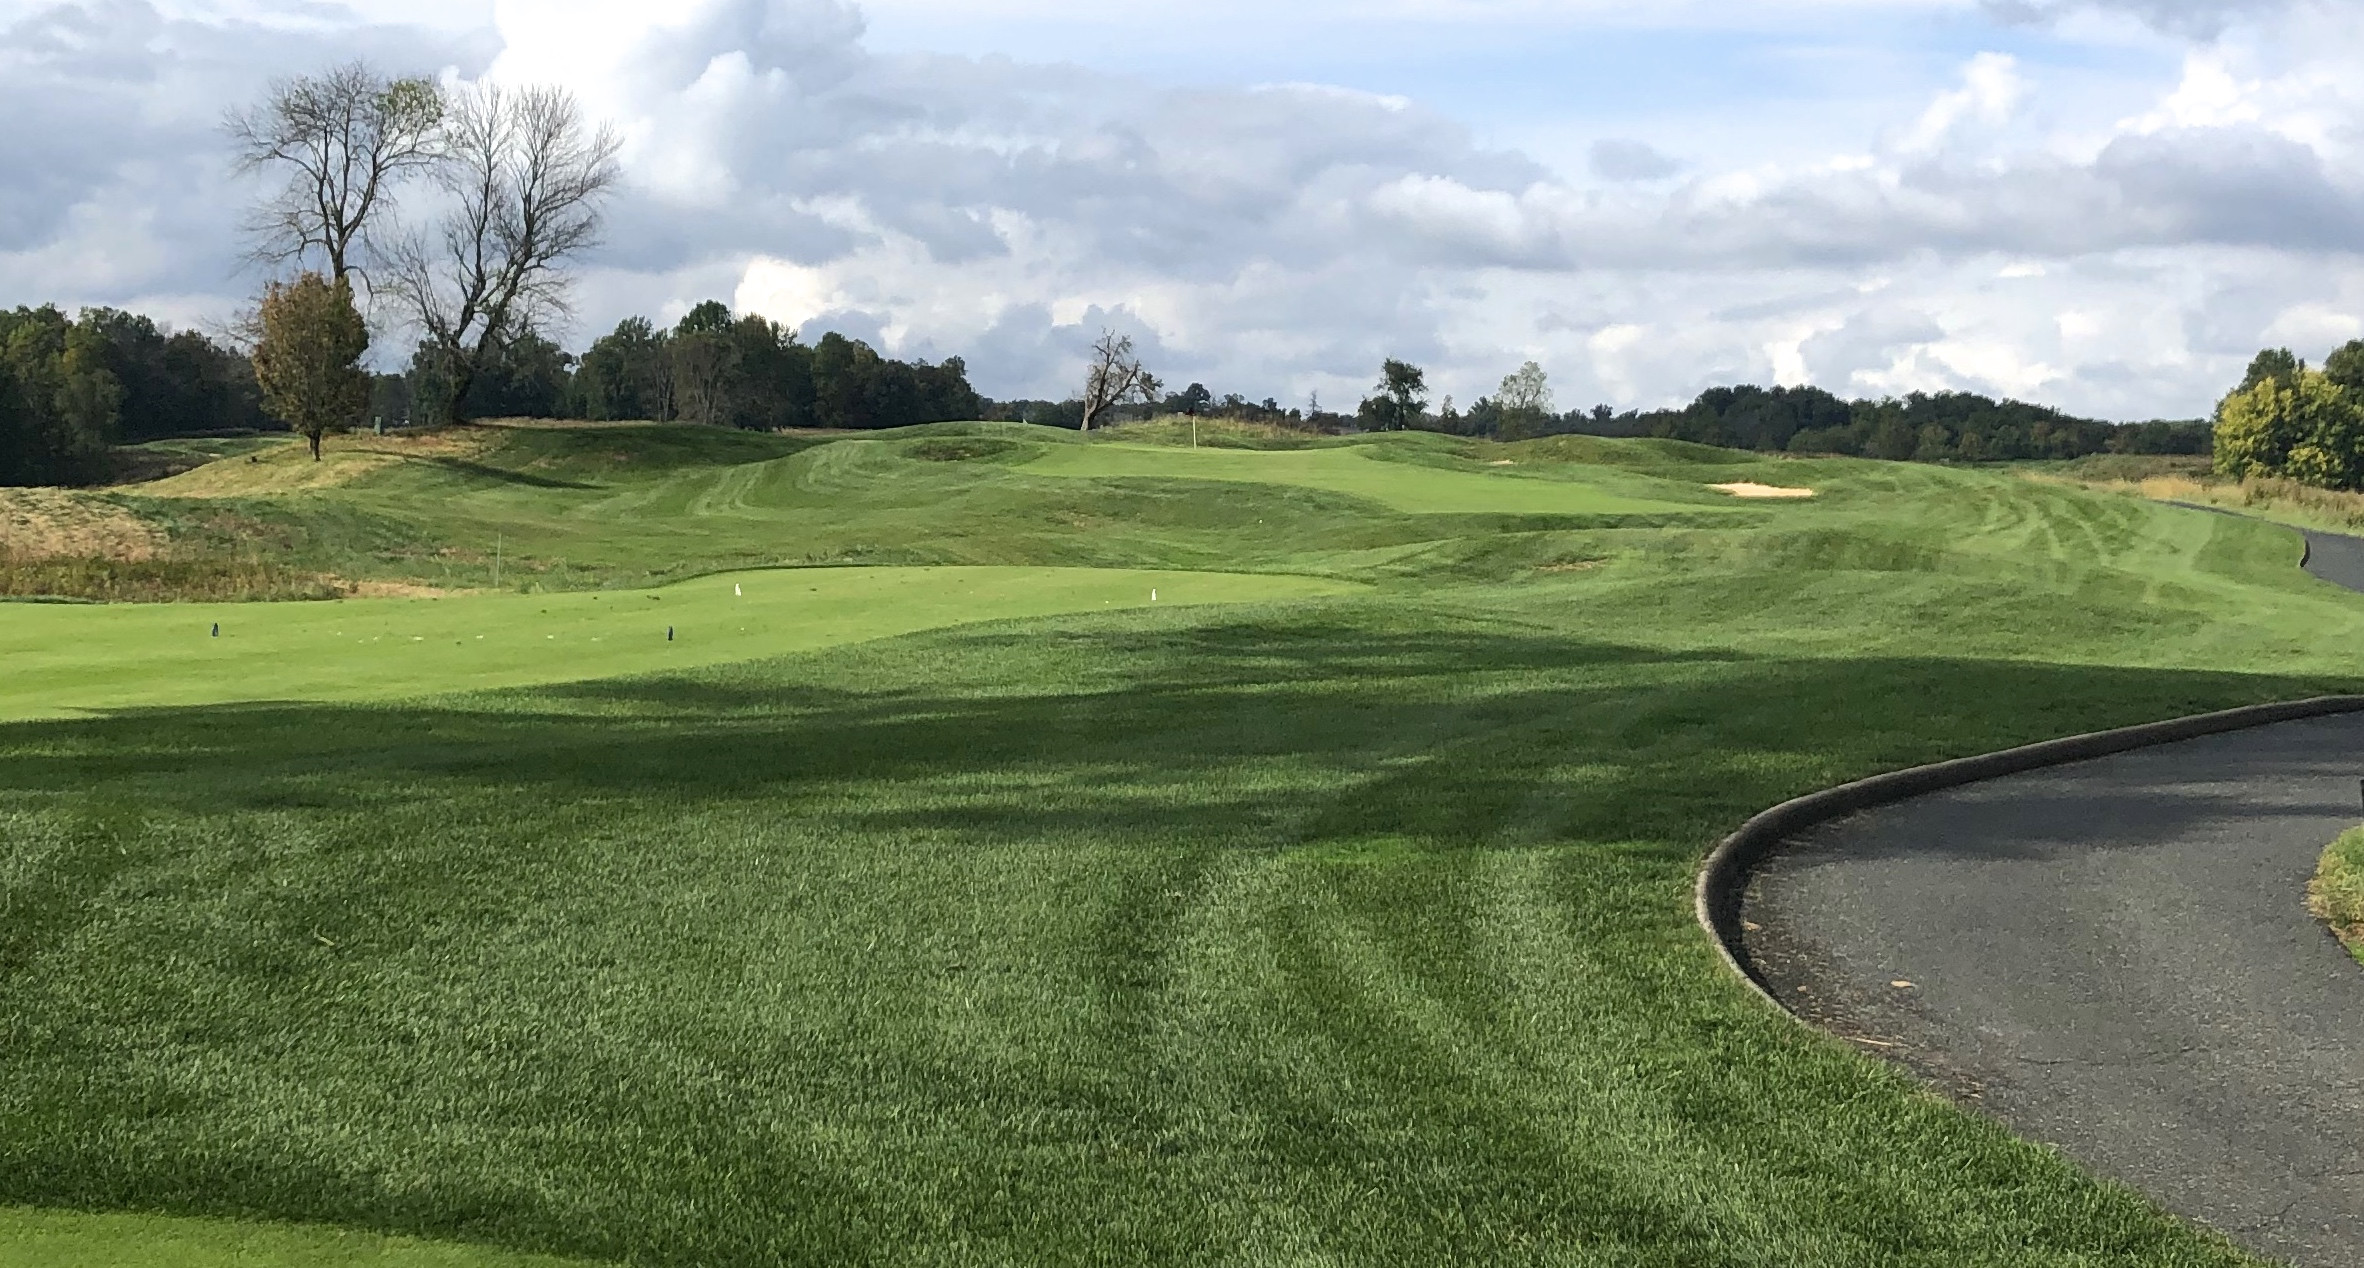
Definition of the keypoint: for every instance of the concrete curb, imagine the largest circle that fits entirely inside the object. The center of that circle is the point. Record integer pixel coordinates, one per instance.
(1723, 879)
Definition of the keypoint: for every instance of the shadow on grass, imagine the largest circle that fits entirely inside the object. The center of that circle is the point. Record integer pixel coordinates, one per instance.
(901, 949)
(1450, 740)
(498, 475)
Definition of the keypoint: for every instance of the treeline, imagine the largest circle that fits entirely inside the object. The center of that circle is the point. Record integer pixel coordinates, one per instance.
(71, 389)
(1918, 427)
(711, 367)
(2290, 420)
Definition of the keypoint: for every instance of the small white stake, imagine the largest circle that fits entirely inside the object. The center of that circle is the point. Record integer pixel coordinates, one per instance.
(1153, 596)
(737, 591)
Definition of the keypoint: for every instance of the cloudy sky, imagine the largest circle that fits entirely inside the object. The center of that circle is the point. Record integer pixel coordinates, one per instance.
(2106, 205)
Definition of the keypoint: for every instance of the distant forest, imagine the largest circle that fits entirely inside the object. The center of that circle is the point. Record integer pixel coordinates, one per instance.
(711, 367)
(70, 389)
(1919, 427)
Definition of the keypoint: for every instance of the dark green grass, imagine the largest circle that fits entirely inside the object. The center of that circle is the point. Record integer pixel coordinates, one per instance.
(1354, 931)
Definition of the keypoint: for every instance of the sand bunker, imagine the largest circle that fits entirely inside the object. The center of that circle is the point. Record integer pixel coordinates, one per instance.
(1745, 489)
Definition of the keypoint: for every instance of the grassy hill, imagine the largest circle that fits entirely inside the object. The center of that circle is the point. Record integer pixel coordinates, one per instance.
(1345, 920)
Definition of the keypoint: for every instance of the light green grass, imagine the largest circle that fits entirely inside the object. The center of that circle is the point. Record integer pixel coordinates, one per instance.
(1359, 471)
(66, 1239)
(1342, 929)
(80, 658)
(2336, 895)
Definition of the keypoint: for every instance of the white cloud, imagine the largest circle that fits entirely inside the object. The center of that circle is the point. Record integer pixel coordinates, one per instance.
(1281, 239)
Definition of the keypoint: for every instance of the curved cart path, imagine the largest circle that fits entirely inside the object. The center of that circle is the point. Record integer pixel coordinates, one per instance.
(2113, 957)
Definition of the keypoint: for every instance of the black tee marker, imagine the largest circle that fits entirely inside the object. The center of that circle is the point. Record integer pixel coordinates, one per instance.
(668, 633)
(217, 629)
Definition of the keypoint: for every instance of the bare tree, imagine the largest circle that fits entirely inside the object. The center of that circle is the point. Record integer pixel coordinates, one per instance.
(526, 177)
(345, 140)
(701, 365)
(1116, 377)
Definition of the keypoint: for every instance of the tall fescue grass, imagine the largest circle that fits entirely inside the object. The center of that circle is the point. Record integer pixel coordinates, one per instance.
(2181, 479)
(170, 578)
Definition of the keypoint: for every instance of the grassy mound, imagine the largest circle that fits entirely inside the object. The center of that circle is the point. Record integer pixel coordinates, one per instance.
(2336, 895)
(1348, 922)
(1365, 471)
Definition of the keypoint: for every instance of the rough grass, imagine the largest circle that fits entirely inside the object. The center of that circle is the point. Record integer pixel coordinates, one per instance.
(2336, 895)
(1338, 930)
(2191, 480)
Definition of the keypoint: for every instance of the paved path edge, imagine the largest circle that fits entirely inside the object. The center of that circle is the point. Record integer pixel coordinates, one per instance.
(1723, 878)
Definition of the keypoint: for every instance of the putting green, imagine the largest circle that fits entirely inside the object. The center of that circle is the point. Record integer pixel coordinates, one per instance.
(69, 1239)
(65, 660)
(1402, 486)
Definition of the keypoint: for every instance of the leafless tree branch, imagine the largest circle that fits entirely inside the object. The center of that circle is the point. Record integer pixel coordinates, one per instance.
(525, 178)
(345, 140)
(1116, 377)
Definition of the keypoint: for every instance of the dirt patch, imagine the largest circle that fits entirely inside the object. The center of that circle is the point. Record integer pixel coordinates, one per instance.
(1502, 462)
(1573, 565)
(1750, 489)
(56, 524)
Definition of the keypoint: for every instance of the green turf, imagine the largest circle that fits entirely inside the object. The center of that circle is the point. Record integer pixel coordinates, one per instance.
(1360, 471)
(86, 658)
(1345, 929)
(66, 1239)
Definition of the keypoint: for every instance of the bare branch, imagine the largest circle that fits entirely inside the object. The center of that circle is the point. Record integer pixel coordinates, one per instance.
(344, 140)
(1116, 377)
(525, 178)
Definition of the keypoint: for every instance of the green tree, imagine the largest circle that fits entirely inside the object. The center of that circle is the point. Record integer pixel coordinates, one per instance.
(308, 359)
(624, 376)
(1401, 398)
(2310, 429)
(1525, 402)
(2328, 420)
(2346, 366)
(2279, 365)
(59, 407)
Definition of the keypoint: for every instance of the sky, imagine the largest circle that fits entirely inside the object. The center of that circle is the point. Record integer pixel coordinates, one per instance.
(2104, 205)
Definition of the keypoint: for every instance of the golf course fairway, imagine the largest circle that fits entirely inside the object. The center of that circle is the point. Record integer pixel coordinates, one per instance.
(971, 908)
(68, 659)
(1357, 471)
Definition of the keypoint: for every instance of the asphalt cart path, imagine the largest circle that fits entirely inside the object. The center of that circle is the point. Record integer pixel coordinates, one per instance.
(2113, 957)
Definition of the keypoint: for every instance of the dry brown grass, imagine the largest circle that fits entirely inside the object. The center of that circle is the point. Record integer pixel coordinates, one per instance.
(161, 579)
(2281, 499)
(66, 544)
(289, 468)
(61, 523)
